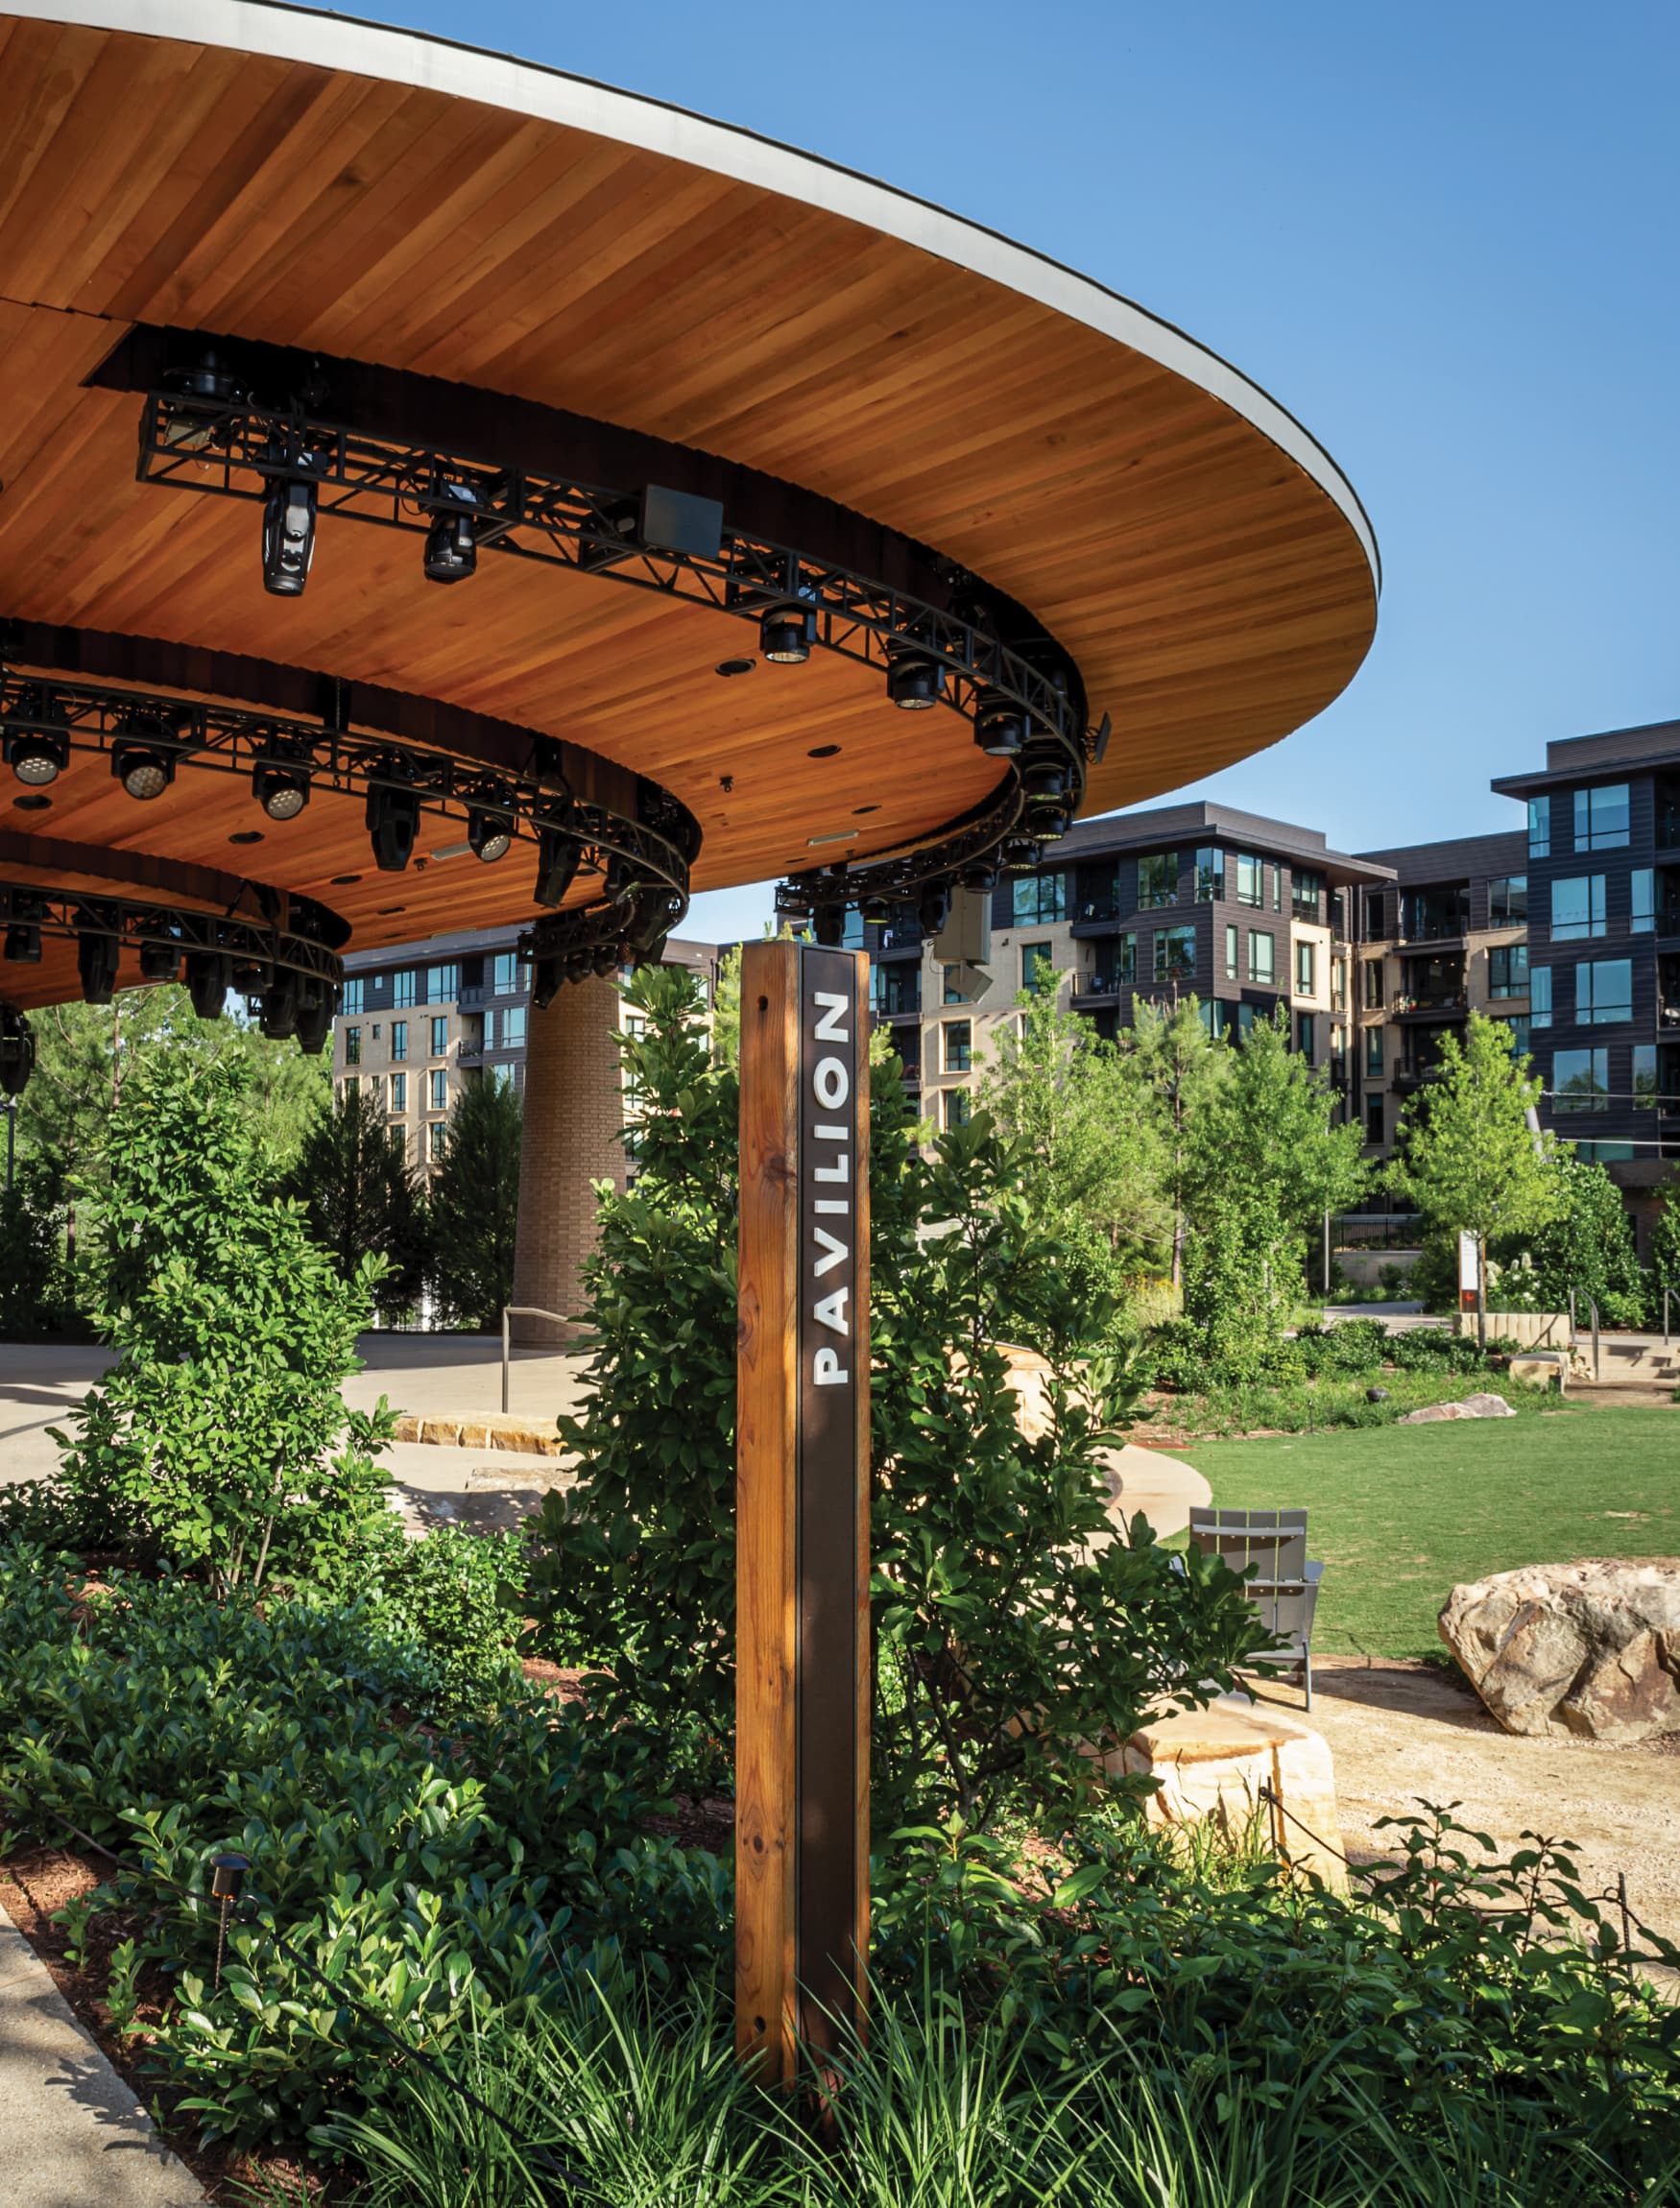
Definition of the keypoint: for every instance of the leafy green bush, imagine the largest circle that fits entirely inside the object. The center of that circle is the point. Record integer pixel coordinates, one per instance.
(454, 1592)
(34, 1289)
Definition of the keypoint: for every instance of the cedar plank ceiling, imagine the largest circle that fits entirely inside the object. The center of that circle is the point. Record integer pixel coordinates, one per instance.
(1212, 591)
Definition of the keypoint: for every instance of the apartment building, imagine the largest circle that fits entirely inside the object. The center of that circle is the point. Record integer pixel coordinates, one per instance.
(416, 1025)
(1446, 936)
(1242, 913)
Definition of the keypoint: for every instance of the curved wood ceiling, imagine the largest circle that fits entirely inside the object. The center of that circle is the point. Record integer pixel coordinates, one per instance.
(1207, 567)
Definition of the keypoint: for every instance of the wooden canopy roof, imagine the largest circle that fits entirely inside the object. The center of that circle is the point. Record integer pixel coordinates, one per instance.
(269, 174)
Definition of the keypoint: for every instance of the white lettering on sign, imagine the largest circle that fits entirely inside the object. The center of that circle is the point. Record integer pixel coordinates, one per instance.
(831, 1310)
(825, 1369)
(837, 1252)
(826, 1031)
(831, 1092)
(832, 1083)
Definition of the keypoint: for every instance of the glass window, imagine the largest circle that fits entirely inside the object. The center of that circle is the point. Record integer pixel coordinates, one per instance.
(1210, 877)
(440, 1034)
(1507, 970)
(1039, 897)
(440, 1089)
(1373, 985)
(1231, 954)
(959, 1044)
(1643, 916)
(1307, 969)
(852, 929)
(1603, 992)
(377, 1031)
(1540, 996)
(351, 999)
(1518, 1023)
(1242, 1021)
(1338, 984)
(1037, 972)
(1251, 887)
(1306, 1034)
(514, 1027)
(1507, 901)
(1374, 1053)
(1208, 1013)
(1157, 879)
(502, 1076)
(1603, 1153)
(437, 1134)
(1580, 1080)
(400, 1038)
(442, 983)
(953, 991)
(1262, 956)
(1126, 960)
(1578, 908)
(1175, 954)
(1305, 889)
(1277, 889)
(1373, 1121)
(399, 1092)
(402, 988)
(1645, 1076)
(958, 1104)
(1602, 818)
(1539, 828)
(897, 989)
(508, 975)
(353, 1046)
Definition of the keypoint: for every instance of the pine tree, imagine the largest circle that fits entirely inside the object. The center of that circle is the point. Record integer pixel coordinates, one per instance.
(475, 1207)
(359, 1197)
(1183, 1069)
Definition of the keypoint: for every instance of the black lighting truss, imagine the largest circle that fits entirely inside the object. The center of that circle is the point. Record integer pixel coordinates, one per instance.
(644, 861)
(237, 449)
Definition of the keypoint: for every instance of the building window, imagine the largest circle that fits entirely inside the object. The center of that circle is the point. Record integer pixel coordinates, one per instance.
(1126, 960)
(507, 973)
(1507, 901)
(1175, 954)
(1210, 877)
(1507, 970)
(959, 1046)
(1603, 992)
(1518, 1023)
(443, 984)
(1035, 956)
(437, 1134)
(376, 1031)
(1230, 960)
(1578, 908)
(1307, 969)
(1645, 1076)
(852, 929)
(1373, 985)
(1306, 890)
(1251, 885)
(399, 1092)
(440, 1035)
(1157, 879)
(1540, 996)
(502, 1076)
(954, 993)
(1643, 911)
(958, 1104)
(1602, 818)
(1603, 1153)
(1039, 897)
(440, 1089)
(1306, 1034)
(1243, 1020)
(898, 988)
(1262, 956)
(1373, 1121)
(351, 998)
(1338, 984)
(514, 1027)
(400, 1038)
(1374, 1053)
(353, 1046)
(1539, 828)
(402, 988)
(1580, 1080)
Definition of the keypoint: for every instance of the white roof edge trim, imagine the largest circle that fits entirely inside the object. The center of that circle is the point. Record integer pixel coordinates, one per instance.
(311, 37)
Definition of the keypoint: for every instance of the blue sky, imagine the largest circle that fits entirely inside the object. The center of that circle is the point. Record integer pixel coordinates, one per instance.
(1445, 236)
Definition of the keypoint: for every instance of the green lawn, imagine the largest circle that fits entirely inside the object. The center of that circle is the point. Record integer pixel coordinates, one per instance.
(1398, 1514)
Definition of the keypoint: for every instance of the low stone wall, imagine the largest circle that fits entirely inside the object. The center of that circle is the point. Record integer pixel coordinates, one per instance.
(1535, 1329)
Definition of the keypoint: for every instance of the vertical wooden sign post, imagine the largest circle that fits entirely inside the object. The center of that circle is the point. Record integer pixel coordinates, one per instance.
(802, 1695)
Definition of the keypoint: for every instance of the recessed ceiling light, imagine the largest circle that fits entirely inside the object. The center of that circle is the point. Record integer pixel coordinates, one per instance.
(389, 911)
(846, 835)
(737, 666)
(343, 880)
(32, 802)
(247, 835)
(866, 808)
(822, 752)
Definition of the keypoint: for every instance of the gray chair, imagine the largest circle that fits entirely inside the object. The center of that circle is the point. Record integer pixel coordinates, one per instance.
(1285, 1587)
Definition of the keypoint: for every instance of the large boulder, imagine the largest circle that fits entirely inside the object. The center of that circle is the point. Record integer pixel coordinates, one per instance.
(1473, 1406)
(1588, 1649)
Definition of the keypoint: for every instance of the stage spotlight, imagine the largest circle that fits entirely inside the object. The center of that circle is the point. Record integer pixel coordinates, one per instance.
(785, 634)
(23, 943)
(999, 727)
(915, 683)
(97, 960)
(451, 551)
(1019, 851)
(209, 975)
(933, 906)
(279, 782)
(143, 755)
(607, 959)
(1042, 780)
(1050, 823)
(160, 961)
(875, 911)
(580, 965)
(279, 1011)
(828, 926)
(981, 876)
(316, 1006)
(288, 536)
(557, 863)
(392, 823)
(16, 1051)
(546, 981)
(37, 755)
(490, 833)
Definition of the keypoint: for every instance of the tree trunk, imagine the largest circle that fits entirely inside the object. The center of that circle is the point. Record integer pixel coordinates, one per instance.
(1482, 1293)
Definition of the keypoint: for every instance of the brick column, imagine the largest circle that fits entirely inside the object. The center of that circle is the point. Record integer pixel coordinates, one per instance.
(573, 1112)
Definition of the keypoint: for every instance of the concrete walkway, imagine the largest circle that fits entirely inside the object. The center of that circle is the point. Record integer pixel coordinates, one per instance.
(72, 2135)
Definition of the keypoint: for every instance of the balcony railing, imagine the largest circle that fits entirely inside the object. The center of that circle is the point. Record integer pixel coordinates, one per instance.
(1099, 908)
(1089, 985)
(900, 935)
(1430, 1001)
(1444, 930)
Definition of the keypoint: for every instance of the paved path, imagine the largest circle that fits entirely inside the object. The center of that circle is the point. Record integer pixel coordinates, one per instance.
(72, 2135)
(1164, 1488)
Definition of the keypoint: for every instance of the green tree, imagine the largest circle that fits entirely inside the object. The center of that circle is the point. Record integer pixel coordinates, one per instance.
(1587, 1247)
(1665, 1248)
(1237, 1292)
(212, 1442)
(33, 1287)
(359, 1196)
(1468, 1156)
(474, 1207)
(1183, 1069)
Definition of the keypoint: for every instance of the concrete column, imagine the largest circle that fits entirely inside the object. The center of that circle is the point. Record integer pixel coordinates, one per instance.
(574, 1111)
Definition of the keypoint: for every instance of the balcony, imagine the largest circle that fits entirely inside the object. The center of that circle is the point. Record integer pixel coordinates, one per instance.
(1097, 988)
(1431, 1004)
(471, 997)
(889, 1015)
(469, 1049)
(899, 935)
(1095, 916)
(1434, 915)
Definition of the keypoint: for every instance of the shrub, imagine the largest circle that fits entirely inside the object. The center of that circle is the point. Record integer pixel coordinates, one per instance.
(34, 1293)
(453, 1593)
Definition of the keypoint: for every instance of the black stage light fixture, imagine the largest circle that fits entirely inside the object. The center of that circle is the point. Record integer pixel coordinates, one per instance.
(23, 943)
(1042, 779)
(250, 976)
(98, 958)
(1019, 851)
(546, 980)
(16, 1051)
(980, 876)
(160, 961)
(37, 755)
(828, 926)
(914, 681)
(451, 551)
(999, 727)
(288, 536)
(875, 911)
(580, 965)
(1050, 823)
(316, 1006)
(392, 823)
(278, 1012)
(785, 634)
(281, 780)
(209, 975)
(558, 854)
(489, 831)
(933, 906)
(143, 753)
(607, 959)
(192, 429)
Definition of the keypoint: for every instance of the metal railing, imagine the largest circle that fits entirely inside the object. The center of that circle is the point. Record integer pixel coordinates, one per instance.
(522, 1312)
(1593, 1309)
